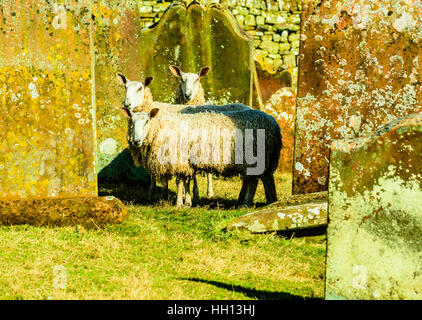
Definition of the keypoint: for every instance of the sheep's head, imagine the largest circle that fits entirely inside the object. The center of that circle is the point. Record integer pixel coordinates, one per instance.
(189, 82)
(140, 122)
(135, 91)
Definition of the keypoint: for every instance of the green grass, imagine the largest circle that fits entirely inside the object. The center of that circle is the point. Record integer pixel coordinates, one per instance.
(163, 253)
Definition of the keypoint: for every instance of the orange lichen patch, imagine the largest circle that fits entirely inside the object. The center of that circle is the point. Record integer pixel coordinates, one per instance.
(47, 117)
(359, 69)
(282, 106)
(89, 212)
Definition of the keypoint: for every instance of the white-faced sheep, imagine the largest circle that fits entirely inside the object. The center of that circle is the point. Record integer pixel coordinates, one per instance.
(190, 92)
(205, 139)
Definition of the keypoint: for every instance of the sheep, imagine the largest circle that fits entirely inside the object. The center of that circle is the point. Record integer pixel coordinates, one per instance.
(190, 92)
(146, 133)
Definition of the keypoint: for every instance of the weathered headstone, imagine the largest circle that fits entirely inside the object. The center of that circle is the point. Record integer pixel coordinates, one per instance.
(374, 235)
(188, 36)
(359, 67)
(47, 117)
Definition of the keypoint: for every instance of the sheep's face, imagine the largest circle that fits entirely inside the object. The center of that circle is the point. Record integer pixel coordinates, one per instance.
(189, 82)
(140, 122)
(190, 85)
(135, 91)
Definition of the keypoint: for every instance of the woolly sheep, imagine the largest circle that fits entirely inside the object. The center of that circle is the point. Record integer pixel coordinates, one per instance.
(190, 92)
(145, 138)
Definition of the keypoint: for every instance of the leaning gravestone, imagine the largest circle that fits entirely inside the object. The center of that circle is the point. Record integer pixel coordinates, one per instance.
(47, 114)
(374, 235)
(360, 67)
(188, 36)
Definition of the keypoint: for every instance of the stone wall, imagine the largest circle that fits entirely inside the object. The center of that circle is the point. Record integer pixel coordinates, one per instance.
(275, 26)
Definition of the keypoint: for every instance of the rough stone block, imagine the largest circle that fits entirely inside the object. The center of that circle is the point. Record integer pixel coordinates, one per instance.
(360, 62)
(284, 47)
(269, 46)
(260, 20)
(374, 236)
(290, 60)
(250, 20)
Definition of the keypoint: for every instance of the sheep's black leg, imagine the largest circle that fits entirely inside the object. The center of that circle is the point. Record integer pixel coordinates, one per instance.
(152, 189)
(166, 189)
(250, 191)
(269, 186)
(242, 193)
(195, 189)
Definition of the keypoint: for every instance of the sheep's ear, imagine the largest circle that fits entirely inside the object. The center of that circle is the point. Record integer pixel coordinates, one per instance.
(148, 81)
(126, 112)
(153, 112)
(204, 71)
(176, 71)
(121, 78)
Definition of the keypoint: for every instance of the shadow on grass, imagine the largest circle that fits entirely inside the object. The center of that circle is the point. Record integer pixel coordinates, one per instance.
(137, 194)
(310, 232)
(252, 293)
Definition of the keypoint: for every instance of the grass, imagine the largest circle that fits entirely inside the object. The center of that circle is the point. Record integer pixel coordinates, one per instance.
(163, 253)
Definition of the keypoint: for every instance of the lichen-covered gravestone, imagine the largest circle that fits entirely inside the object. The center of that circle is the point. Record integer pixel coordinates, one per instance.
(190, 37)
(359, 67)
(47, 115)
(374, 235)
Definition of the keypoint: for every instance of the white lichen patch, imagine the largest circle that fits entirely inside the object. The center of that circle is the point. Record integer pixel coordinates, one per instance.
(108, 146)
(33, 90)
(404, 23)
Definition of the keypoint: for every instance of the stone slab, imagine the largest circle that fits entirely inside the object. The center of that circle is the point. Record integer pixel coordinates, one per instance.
(89, 212)
(304, 216)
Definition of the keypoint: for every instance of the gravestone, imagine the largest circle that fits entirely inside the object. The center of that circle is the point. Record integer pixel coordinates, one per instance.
(47, 117)
(374, 235)
(191, 37)
(359, 68)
